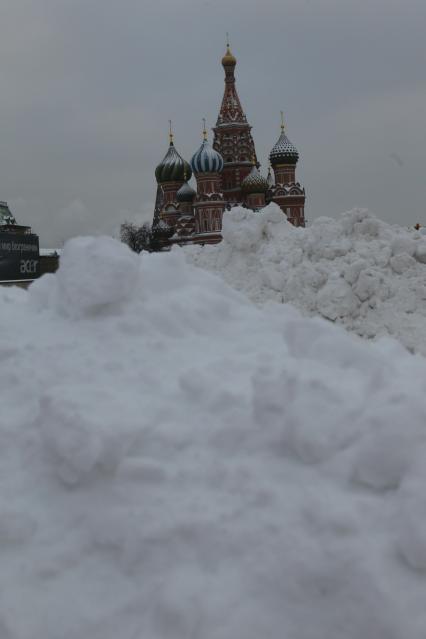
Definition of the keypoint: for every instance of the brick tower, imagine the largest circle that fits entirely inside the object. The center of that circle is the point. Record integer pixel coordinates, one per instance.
(254, 188)
(232, 136)
(209, 204)
(171, 174)
(287, 193)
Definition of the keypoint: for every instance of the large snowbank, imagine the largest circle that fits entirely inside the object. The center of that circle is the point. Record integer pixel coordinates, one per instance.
(355, 270)
(177, 463)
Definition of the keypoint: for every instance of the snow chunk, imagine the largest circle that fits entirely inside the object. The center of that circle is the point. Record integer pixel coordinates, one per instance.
(241, 229)
(16, 527)
(336, 298)
(368, 285)
(388, 451)
(402, 262)
(403, 244)
(356, 270)
(420, 253)
(95, 276)
(80, 439)
(412, 521)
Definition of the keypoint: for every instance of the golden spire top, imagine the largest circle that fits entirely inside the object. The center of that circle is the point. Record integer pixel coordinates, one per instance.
(228, 58)
(282, 122)
(204, 130)
(170, 132)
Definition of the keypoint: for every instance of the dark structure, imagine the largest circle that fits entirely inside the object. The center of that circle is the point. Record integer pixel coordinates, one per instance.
(19, 249)
(227, 175)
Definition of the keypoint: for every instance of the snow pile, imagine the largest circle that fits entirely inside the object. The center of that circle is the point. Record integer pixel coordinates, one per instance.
(356, 270)
(178, 463)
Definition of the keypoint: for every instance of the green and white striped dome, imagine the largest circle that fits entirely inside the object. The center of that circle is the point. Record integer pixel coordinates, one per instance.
(173, 168)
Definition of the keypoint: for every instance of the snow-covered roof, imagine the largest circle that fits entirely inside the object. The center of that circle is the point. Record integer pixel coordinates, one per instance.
(283, 151)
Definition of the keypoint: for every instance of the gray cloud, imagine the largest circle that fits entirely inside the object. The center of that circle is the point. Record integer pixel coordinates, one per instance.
(88, 87)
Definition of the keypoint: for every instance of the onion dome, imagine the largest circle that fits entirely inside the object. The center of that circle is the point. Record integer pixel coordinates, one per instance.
(254, 182)
(172, 168)
(206, 159)
(229, 60)
(284, 151)
(186, 193)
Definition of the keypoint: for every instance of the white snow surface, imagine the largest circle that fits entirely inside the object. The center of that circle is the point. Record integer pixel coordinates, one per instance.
(178, 463)
(355, 270)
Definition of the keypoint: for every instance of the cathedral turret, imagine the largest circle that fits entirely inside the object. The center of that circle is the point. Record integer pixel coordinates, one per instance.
(172, 167)
(170, 174)
(254, 188)
(172, 171)
(185, 197)
(206, 160)
(283, 158)
(207, 164)
(186, 193)
(232, 135)
(287, 193)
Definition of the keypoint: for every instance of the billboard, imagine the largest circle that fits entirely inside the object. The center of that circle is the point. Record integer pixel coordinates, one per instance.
(19, 256)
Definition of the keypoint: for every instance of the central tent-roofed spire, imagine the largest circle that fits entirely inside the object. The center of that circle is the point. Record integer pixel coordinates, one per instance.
(232, 134)
(231, 109)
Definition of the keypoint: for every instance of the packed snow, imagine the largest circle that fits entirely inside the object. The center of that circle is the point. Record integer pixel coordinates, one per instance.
(356, 270)
(179, 463)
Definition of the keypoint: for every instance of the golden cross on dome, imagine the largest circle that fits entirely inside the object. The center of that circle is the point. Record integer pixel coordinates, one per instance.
(204, 129)
(282, 121)
(170, 132)
(228, 46)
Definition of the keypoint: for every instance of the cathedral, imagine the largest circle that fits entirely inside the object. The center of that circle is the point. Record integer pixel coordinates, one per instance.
(227, 174)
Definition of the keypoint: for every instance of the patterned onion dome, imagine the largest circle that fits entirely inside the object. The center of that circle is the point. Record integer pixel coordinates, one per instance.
(186, 193)
(172, 168)
(284, 152)
(254, 182)
(206, 159)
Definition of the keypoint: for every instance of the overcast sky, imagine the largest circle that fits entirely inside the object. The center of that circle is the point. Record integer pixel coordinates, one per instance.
(88, 87)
